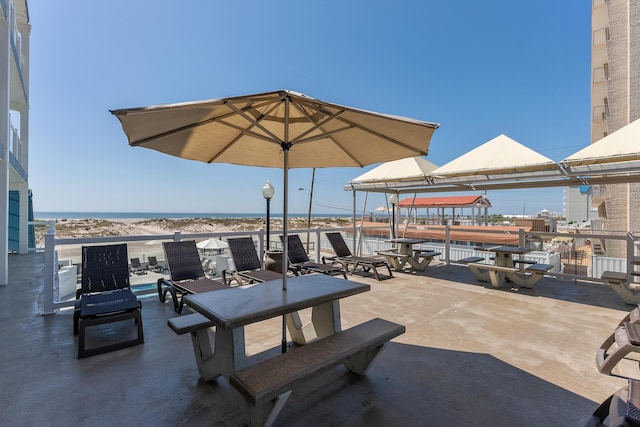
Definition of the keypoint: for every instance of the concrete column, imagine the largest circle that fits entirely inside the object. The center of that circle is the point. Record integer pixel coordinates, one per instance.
(5, 84)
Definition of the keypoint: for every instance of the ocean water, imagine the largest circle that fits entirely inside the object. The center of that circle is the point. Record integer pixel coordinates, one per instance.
(168, 215)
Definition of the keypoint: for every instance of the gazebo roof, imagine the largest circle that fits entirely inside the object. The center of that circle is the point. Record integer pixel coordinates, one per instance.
(445, 202)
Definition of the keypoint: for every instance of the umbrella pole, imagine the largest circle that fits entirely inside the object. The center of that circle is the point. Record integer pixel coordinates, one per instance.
(285, 213)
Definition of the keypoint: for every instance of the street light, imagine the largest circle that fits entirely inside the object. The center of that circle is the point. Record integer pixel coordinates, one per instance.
(267, 192)
(313, 178)
(393, 199)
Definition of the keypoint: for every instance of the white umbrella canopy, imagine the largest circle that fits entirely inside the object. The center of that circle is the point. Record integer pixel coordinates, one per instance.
(212, 243)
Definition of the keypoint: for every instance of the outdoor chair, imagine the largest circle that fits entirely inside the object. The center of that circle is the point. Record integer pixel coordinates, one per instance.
(186, 273)
(154, 266)
(247, 264)
(136, 266)
(346, 258)
(105, 296)
(300, 263)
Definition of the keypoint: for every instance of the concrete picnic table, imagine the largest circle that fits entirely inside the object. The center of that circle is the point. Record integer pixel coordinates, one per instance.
(406, 254)
(230, 310)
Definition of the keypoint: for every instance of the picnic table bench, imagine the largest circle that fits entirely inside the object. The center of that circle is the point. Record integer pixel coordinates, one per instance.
(497, 274)
(263, 388)
(620, 284)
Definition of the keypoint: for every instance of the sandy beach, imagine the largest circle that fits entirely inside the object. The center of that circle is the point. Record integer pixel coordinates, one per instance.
(78, 228)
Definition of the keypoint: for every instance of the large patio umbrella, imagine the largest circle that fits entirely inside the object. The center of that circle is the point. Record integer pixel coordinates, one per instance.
(282, 129)
(212, 243)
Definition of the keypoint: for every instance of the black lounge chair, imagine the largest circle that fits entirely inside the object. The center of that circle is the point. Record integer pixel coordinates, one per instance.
(154, 266)
(136, 266)
(346, 258)
(247, 264)
(186, 272)
(105, 296)
(301, 264)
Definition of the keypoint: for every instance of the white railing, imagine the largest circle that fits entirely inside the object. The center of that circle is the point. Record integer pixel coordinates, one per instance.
(365, 246)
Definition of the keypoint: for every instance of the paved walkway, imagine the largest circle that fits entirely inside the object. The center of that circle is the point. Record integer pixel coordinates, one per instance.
(471, 356)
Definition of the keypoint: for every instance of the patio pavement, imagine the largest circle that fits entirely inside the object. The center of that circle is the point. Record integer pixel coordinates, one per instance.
(471, 356)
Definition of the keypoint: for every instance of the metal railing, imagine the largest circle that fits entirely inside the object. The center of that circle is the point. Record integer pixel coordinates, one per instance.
(570, 263)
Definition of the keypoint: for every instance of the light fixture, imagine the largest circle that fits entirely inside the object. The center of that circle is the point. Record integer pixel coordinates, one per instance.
(267, 192)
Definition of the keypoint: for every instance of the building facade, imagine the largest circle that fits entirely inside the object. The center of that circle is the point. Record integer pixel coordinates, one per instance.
(615, 100)
(14, 131)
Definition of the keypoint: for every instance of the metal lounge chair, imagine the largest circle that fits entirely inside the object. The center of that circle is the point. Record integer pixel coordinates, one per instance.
(300, 263)
(186, 273)
(136, 266)
(154, 266)
(105, 296)
(247, 264)
(346, 258)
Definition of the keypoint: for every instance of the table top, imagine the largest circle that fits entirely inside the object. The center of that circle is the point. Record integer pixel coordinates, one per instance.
(407, 240)
(504, 249)
(242, 305)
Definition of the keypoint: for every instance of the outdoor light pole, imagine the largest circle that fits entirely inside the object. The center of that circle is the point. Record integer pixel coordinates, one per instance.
(393, 199)
(267, 192)
(313, 176)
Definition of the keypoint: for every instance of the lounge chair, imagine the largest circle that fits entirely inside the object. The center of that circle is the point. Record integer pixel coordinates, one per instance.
(136, 266)
(247, 264)
(186, 273)
(105, 296)
(346, 258)
(300, 263)
(154, 266)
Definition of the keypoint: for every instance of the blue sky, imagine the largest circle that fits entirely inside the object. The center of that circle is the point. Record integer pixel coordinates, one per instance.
(479, 69)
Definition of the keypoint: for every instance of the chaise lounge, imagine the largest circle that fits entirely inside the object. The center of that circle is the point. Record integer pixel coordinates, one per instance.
(346, 258)
(300, 263)
(186, 272)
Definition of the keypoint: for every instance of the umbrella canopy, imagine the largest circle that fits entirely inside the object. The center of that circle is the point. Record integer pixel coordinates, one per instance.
(212, 243)
(281, 129)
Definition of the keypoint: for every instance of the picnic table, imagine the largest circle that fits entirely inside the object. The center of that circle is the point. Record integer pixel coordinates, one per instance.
(230, 310)
(263, 388)
(504, 269)
(417, 259)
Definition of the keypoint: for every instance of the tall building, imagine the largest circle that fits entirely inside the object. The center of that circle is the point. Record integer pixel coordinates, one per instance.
(14, 131)
(615, 100)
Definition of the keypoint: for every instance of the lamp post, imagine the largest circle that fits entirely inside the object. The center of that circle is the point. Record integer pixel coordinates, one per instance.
(393, 199)
(267, 192)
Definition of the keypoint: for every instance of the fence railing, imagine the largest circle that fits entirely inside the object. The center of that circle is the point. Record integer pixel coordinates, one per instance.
(566, 263)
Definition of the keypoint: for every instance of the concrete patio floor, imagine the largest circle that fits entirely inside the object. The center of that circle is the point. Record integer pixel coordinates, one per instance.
(471, 356)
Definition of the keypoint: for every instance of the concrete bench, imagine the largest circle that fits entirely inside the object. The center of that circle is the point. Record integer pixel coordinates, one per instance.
(201, 335)
(428, 254)
(263, 389)
(392, 254)
(525, 261)
(470, 259)
(490, 273)
(189, 323)
(620, 284)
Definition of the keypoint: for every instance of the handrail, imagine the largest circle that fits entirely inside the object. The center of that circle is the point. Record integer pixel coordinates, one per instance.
(50, 270)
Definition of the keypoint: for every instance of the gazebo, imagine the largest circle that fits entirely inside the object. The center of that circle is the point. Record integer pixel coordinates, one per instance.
(478, 205)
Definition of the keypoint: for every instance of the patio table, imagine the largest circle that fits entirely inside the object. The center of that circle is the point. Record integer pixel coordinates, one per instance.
(231, 309)
(406, 254)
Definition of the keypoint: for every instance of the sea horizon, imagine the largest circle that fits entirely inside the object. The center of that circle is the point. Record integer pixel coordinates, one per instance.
(43, 216)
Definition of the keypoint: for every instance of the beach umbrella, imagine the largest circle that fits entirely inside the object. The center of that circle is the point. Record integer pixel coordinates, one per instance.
(281, 129)
(212, 243)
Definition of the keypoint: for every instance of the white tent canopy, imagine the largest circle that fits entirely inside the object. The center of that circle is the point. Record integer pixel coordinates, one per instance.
(503, 164)
(408, 169)
(619, 150)
(513, 158)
